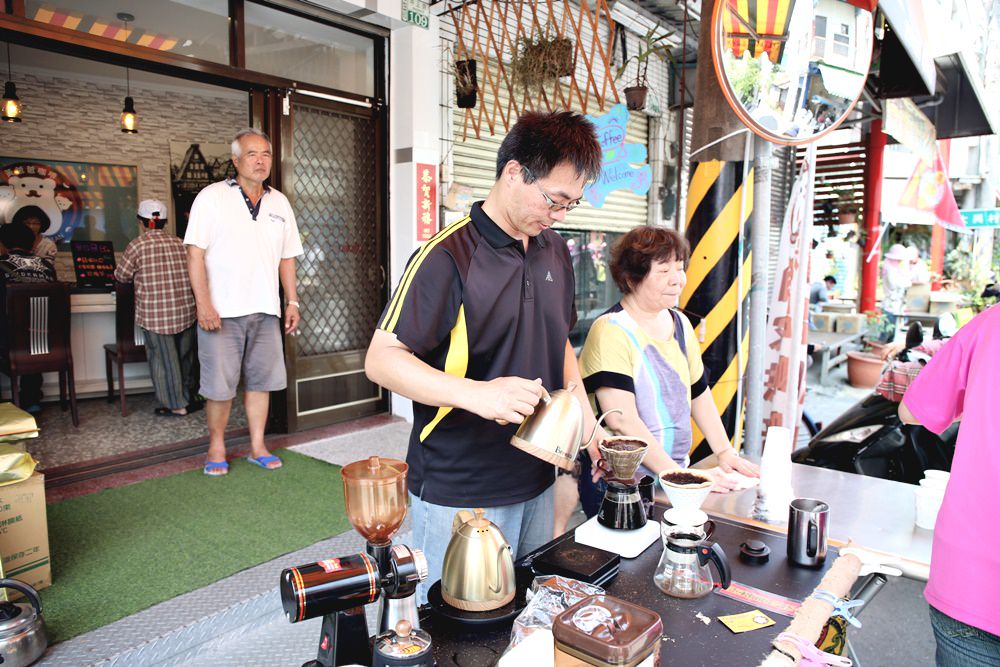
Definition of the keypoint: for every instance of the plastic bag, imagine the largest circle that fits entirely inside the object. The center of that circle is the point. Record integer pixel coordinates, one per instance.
(549, 596)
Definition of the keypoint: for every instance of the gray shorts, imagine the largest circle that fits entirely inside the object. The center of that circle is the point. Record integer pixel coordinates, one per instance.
(252, 342)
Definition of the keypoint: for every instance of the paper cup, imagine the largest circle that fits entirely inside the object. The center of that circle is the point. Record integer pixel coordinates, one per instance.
(934, 484)
(943, 475)
(928, 503)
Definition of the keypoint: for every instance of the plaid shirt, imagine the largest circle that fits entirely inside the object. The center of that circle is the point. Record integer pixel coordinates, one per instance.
(157, 262)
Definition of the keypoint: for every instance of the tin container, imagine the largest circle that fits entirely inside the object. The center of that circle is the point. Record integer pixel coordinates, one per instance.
(604, 630)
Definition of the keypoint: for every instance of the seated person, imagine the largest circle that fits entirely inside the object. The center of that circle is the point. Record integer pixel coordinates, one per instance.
(38, 222)
(18, 265)
(819, 293)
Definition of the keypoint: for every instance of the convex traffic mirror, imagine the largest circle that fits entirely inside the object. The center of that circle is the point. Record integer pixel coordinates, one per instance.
(792, 70)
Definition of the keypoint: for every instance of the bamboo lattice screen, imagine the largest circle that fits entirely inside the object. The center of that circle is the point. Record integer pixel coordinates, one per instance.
(492, 31)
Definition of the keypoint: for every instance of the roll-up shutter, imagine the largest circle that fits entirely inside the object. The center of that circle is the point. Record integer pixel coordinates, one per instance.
(474, 164)
(782, 176)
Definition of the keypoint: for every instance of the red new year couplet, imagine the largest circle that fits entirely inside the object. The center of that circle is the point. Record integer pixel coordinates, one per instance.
(427, 212)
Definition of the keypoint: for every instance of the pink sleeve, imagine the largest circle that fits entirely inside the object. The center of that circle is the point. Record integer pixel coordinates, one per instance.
(936, 395)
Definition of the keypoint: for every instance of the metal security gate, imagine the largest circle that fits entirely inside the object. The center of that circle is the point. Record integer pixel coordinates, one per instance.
(332, 173)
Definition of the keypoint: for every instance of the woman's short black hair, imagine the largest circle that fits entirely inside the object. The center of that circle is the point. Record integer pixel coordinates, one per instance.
(634, 253)
(17, 236)
(540, 141)
(27, 212)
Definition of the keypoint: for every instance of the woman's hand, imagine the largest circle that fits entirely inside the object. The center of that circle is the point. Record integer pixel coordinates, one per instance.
(721, 481)
(730, 461)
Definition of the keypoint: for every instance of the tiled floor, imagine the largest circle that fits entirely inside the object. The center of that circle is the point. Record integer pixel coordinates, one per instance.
(104, 432)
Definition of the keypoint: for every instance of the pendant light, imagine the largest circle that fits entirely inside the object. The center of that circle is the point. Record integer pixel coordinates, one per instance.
(129, 118)
(11, 111)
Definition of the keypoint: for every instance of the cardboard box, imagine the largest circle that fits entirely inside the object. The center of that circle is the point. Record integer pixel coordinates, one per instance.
(24, 532)
(822, 321)
(850, 324)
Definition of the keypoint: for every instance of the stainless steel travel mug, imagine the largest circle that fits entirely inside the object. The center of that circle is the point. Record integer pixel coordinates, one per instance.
(807, 531)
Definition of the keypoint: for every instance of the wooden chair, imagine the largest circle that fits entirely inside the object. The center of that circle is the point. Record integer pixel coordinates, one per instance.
(38, 333)
(129, 346)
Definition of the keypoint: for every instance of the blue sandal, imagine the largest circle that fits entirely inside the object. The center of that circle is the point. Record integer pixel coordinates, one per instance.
(216, 468)
(263, 461)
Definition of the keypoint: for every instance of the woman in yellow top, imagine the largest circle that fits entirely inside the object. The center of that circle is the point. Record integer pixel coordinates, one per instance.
(642, 357)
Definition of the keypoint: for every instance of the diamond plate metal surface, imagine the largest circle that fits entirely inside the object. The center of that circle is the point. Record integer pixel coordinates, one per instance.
(334, 193)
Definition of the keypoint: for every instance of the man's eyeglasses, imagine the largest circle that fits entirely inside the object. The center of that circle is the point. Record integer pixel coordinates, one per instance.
(553, 205)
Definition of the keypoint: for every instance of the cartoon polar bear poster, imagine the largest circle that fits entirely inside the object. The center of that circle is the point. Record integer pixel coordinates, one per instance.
(34, 190)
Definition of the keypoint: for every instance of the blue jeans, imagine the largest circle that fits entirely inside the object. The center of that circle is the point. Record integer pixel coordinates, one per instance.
(962, 645)
(526, 525)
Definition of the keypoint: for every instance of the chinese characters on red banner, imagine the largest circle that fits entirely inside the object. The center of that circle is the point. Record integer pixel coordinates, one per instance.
(426, 201)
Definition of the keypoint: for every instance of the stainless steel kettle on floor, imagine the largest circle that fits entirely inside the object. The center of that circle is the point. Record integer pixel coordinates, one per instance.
(22, 628)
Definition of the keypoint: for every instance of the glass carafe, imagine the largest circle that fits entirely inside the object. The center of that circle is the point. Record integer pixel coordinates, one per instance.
(375, 497)
(683, 570)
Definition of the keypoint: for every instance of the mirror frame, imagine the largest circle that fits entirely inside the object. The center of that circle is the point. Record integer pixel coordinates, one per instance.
(738, 109)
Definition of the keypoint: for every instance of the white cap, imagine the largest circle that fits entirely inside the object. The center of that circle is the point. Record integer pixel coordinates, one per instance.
(152, 208)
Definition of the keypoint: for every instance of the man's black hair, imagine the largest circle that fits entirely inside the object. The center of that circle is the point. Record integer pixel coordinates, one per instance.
(158, 223)
(17, 236)
(28, 212)
(829, 279)
(540, 141)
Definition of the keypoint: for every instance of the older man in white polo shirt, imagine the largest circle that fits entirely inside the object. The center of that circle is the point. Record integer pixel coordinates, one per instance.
(241, 241)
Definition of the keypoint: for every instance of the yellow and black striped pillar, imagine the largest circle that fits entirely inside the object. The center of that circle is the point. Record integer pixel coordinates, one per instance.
(711, 298)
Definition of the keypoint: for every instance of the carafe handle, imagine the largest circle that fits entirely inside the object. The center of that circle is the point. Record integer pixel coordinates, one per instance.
(710, 551)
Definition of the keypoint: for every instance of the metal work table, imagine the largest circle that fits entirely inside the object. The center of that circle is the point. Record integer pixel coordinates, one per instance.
(875, 513)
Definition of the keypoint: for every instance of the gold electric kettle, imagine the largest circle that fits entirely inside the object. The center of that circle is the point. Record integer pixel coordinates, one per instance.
(554, 430)
(478, 570)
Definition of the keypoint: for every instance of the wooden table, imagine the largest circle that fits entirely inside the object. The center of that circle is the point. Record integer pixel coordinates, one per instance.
(830, 347)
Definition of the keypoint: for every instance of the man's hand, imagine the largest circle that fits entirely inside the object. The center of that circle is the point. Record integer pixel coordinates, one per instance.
(292, 319)
(730, 461)
(506, 399)
(208, 318)
(891, 350)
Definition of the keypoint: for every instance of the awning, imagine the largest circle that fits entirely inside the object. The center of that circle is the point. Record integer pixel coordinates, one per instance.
(841, 82)
(757, 26)
(962, 111)
(907, 60)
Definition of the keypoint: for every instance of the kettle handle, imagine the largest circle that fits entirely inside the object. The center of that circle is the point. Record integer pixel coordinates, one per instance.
(710, 551)
(600, 419)
(497, 586)
(27, 590)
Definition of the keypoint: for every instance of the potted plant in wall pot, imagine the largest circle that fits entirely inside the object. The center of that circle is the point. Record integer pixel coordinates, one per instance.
(847, 207)
(466, 84)
(650, 46)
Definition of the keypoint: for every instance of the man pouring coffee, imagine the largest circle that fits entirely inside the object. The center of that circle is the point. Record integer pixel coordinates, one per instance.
(478, 329)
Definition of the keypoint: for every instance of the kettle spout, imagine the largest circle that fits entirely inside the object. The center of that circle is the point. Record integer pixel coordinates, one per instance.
(600, 419)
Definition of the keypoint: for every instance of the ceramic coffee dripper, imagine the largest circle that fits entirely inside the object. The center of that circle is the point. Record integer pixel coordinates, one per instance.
(621, 463)
(686, 500)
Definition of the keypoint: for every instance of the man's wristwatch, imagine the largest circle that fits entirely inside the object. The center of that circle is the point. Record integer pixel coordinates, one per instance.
(293, 303)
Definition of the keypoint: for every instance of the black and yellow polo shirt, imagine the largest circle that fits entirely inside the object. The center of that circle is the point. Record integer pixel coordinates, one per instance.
(474, 304)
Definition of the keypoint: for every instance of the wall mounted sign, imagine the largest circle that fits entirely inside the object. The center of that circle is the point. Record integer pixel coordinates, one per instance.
(81, 200)
(981, 217)
(427, 212)
(417, 12)
(617, 159)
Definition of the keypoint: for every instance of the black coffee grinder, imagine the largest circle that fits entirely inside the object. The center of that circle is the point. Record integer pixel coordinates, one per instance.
(622, 507)
(339, 588)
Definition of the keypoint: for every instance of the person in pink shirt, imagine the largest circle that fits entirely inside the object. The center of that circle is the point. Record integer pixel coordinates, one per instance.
(962, 382)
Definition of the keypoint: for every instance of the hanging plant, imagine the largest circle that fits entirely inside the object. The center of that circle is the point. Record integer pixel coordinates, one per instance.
(466, 84)
(651, 45)
(541, 60)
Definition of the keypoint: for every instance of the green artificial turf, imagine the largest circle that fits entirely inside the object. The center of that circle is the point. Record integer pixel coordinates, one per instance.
(122, 550)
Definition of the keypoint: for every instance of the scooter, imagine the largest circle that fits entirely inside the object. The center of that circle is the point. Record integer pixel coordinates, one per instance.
(869, 438)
